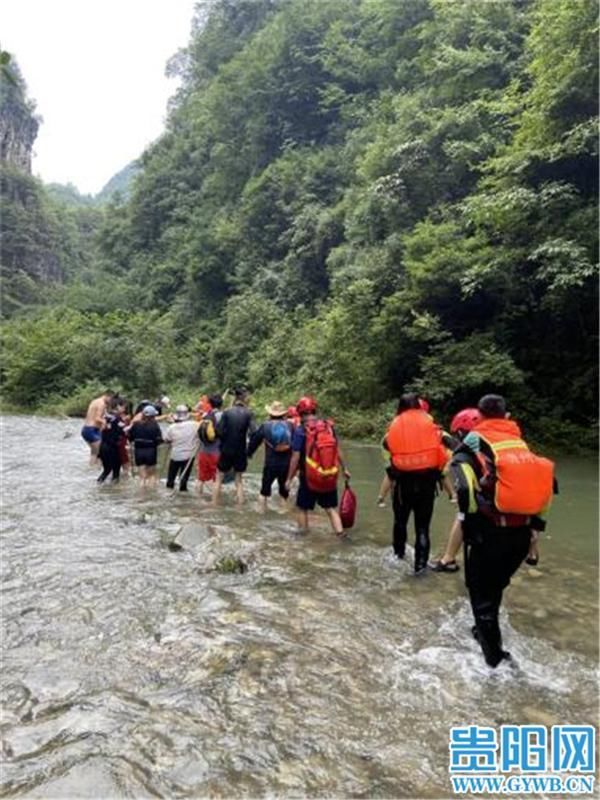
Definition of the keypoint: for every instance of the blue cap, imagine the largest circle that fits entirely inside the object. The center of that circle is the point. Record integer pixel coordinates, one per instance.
(149, 411)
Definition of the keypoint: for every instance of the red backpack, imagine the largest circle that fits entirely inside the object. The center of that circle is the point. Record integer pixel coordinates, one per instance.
(321, 456)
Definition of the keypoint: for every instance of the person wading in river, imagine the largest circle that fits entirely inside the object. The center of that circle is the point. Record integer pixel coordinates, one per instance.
(276, 433)
(502, 490)
(209, 450)
(182, 435)
(316, 456)
(233, 428)
(146, 436)
(94, 420)
(417, 458)
(112, 435)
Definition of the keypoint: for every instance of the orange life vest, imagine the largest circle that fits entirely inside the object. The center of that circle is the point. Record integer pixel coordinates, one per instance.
(414, 442)
(523, 481)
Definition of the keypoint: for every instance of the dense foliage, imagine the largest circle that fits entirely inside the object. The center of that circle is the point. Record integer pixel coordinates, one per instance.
(354, 197)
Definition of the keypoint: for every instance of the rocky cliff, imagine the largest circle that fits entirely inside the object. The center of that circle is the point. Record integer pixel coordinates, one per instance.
(18, 123)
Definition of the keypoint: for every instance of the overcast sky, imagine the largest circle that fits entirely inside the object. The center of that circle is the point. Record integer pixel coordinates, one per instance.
(96, 72)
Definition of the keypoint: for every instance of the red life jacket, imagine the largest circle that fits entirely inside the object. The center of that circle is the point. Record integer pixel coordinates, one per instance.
(321, 467)
(414, 442)
(518, 481)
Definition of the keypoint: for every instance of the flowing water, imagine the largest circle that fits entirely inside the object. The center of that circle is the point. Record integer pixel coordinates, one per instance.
(325, 670)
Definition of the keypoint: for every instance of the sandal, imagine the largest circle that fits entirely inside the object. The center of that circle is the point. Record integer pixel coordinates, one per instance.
(440, 566)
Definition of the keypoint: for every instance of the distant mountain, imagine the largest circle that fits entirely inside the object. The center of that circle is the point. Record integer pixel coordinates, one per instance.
(120, 182)
(69, 195)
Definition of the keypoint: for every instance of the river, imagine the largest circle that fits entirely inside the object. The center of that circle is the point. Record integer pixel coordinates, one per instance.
(325, 670)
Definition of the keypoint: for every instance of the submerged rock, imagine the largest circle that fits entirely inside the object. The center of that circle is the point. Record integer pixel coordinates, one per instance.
(231, 564)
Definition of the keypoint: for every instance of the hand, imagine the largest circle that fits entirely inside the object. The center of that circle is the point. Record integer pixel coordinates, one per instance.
(288, 485)
(347, 474)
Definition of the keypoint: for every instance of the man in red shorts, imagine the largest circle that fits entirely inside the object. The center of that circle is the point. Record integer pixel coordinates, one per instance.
(209, 452)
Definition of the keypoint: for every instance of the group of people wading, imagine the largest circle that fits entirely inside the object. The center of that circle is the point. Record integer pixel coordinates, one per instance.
(501, 488)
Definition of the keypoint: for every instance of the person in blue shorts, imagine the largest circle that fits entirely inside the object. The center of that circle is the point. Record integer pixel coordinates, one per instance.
(94, 422)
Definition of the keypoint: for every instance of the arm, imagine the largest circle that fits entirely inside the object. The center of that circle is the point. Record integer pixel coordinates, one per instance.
(256, 439)
(342, 463)
(221, 428)
(463, 478)
(293, 468)
(341, 459)
(298, 441)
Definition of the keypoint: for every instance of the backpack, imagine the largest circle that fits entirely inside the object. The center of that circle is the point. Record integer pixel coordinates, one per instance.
(519, 481)
(279, 436)
(207, 431)
(320, 456)
(415, 443)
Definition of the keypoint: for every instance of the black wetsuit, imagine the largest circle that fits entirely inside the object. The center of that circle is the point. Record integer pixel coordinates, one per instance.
(276, 462)
(146, 436)
(109, 449)
(232, 431)
(414, 492)
(495, 545)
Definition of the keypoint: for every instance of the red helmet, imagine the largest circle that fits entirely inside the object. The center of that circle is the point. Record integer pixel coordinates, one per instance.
(306, 405)
(465, 420)
(292, 411)
(423, 405)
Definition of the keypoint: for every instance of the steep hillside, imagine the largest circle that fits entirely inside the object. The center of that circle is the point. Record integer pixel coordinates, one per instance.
(354, 198)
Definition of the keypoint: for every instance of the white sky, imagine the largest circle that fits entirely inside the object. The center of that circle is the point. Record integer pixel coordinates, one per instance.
(95, 69)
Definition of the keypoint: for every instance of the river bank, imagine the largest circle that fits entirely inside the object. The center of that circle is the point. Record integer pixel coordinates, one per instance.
(547, 433)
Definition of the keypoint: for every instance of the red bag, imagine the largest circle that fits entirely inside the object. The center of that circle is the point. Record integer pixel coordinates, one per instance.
(321, 456)
(348, 507)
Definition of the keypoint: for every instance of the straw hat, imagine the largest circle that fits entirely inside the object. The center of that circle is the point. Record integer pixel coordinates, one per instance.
(276, 409)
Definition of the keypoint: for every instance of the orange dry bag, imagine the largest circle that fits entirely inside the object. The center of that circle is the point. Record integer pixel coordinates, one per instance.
(414, 442)
(524, 482)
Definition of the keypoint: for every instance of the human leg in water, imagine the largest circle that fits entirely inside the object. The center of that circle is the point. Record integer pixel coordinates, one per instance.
(186, 471)
(106, 465)
(173, 471)
(384, 490)
(402, 508)
(447, 562)
(423, 500)
(151, 476)
(303, 526)
(284, 494)
(492, 556)
(216, 497)
(335, 521)
(533, 554)
(239, 488)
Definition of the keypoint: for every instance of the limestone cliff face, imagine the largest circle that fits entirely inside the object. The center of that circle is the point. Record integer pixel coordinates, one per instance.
(18, 123)
(30, 256)
(18, 130)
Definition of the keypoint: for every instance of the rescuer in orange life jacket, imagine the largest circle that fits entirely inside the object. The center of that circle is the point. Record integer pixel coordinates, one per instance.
(417, 457)
(503, 490)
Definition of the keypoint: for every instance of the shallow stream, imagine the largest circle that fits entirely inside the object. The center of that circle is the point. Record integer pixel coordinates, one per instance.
(325, 670)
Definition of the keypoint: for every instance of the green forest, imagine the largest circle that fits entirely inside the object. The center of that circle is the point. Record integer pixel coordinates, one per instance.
(352, 198)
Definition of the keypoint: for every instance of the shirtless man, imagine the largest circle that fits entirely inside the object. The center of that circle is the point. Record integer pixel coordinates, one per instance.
(94, 418)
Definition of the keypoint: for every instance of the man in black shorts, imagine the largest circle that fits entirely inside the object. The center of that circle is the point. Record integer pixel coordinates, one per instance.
(233, 429)
(276, 433)
(306, 499)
